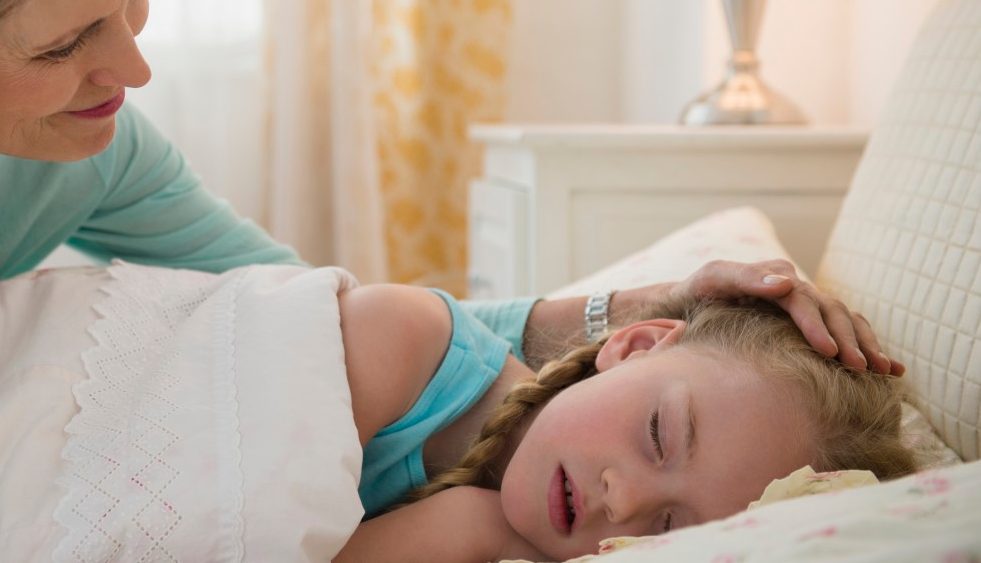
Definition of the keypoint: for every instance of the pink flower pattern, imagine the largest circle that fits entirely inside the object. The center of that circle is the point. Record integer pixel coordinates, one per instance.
(826, 532)
(931, 483)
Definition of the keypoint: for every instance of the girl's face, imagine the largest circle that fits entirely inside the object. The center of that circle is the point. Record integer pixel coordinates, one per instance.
(665, 437)
(64, 66)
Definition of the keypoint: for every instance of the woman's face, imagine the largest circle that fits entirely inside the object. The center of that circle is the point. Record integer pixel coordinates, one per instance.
(64, 67)
(722, 434)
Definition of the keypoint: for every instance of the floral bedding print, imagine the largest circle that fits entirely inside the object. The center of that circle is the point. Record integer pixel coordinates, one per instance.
(933, 516)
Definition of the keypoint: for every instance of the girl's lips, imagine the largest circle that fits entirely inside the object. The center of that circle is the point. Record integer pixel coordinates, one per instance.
(556, 503)
(576, 502)
(105, 110)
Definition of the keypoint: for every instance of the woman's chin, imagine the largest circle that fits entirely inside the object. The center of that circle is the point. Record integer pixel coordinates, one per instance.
(66, 142)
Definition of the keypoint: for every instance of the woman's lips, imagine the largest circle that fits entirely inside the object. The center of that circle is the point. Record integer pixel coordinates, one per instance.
(104, 110)
(557, 504)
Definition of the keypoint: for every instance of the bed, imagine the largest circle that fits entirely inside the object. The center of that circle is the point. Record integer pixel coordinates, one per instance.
(906, 252)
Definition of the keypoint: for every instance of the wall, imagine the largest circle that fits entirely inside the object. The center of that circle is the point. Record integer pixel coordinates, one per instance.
(881, 31)
(642, 60)
(565, 60)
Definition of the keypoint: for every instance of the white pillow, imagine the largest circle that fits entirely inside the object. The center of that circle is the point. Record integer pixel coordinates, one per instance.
(742, 234)
(930, 516)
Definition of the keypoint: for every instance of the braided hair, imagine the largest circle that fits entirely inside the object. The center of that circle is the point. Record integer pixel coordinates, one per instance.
(476, 467)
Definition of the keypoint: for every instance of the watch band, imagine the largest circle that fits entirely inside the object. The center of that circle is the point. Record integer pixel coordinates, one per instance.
(597, 315)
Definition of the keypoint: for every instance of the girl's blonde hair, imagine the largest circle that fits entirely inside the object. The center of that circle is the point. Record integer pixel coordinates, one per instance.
(854, 415)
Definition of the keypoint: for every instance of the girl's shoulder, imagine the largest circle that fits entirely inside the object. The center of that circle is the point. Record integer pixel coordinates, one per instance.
(395, 337)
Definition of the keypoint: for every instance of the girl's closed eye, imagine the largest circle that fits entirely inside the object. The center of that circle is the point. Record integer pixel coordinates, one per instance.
(655, 431)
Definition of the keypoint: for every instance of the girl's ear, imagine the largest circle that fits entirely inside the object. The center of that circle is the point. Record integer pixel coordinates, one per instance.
(639, 338)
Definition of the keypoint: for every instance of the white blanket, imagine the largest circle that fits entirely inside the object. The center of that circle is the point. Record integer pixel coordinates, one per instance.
(190, 417)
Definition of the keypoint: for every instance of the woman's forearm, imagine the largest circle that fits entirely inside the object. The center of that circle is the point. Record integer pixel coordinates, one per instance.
(558, 325)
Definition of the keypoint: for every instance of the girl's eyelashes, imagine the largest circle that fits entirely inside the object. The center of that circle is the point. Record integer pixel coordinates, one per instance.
(655, 430)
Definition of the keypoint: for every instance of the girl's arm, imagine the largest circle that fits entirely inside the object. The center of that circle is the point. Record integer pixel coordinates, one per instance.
(459, 524)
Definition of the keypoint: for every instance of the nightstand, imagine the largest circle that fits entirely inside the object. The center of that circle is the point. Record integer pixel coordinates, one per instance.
(558, 202)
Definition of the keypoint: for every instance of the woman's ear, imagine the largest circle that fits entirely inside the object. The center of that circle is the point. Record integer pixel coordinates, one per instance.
(639, 338)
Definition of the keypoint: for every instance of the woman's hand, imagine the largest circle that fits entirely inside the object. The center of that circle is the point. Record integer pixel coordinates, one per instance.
(827, 324)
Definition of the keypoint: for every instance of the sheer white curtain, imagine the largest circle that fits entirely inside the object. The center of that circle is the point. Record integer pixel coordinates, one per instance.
(269, 101)
(206, 93)
(323, 195)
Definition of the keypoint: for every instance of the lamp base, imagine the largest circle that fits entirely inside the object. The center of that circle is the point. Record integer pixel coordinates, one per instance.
(742, 99)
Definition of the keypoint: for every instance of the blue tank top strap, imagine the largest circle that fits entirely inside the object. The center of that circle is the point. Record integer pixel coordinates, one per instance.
(393, 463)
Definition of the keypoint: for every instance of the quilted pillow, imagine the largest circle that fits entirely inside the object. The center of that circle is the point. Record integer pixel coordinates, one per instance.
(906, 250)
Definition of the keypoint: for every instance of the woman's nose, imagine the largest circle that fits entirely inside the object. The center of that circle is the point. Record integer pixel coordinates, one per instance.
(628, 498)
(123, 63)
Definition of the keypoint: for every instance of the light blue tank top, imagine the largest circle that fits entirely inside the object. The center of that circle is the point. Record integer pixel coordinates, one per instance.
(393, 458)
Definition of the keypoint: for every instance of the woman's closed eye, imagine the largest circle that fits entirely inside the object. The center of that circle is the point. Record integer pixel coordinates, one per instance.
(64, 53)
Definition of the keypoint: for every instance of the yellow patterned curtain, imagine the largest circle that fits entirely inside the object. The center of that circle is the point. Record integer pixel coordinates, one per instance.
(437, 66)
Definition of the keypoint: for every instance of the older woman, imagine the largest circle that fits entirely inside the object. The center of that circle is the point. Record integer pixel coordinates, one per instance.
(79, 166)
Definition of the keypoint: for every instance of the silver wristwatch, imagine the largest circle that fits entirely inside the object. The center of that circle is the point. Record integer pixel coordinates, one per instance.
(597, 315)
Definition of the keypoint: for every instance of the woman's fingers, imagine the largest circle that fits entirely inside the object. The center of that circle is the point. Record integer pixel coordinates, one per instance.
(805, 309)
(840, 324)
(833, 330)
(722, 279)
(826, 323)
(869, 344)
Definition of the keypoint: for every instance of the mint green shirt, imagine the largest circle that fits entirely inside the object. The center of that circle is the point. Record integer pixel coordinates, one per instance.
(139, 200)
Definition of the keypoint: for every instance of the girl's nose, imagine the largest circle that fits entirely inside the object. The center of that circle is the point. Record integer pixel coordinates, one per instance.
(630, 498)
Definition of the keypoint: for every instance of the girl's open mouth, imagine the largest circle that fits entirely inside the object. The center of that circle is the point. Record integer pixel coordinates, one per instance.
(561, 506)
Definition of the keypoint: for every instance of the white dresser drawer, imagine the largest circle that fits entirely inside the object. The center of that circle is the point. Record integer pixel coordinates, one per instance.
(498, 240)
(558, 202)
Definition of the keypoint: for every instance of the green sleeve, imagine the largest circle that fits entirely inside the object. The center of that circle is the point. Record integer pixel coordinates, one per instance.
(156, 211)
(506, 319)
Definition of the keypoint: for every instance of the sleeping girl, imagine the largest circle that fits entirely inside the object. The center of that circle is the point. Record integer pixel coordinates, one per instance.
(681, 416)
(161, 414)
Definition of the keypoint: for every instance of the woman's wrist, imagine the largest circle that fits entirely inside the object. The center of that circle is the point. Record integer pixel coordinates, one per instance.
(556, 326)
(625, 302)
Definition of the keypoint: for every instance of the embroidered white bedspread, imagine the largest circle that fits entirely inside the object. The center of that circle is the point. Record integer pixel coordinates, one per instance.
(212, 421)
